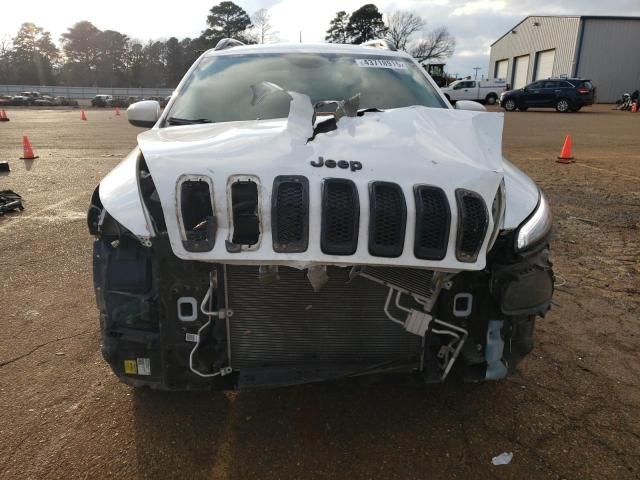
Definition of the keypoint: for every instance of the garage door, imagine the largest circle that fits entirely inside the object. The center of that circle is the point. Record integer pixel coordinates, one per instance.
(502, 69)
(520, 70)
(544, 68)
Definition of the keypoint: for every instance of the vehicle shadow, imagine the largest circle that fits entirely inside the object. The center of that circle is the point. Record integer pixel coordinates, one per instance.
(367, 427)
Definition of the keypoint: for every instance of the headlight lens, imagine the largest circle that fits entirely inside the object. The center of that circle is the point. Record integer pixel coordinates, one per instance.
(536, 227)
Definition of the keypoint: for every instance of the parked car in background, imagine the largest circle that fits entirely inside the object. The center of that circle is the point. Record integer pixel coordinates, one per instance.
(26, 98)
(66, 102)
(563, 94)
(44, 101)
(6, 100)
(101, 100)
(121, 102)
(485, 91)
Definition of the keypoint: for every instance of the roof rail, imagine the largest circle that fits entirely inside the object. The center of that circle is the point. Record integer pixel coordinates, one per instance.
(226, 43)
(380, 43)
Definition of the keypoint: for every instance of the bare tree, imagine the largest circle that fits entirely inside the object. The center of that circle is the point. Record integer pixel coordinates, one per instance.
(262, 29)
(401, 26)
(438, 44)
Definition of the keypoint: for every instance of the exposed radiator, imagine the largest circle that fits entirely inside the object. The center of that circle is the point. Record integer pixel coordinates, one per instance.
(286, 323)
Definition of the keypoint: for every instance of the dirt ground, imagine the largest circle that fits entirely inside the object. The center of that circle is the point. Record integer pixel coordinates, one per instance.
(572, 412)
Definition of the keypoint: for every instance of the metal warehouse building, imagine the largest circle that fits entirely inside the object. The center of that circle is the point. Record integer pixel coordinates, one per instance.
(603, 49)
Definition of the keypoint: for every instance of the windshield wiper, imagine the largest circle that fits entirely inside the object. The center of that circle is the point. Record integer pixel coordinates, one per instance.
(187, 121)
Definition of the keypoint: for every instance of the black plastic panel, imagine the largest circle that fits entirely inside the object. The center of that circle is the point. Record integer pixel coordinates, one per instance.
(290, 213)
(433, 222)
(387, 219)
(340, 217)
(473, 221)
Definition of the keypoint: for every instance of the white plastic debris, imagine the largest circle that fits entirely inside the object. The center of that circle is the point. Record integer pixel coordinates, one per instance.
(503, 459)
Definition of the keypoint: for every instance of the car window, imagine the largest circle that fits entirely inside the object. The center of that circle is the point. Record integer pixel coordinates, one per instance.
(552, 84)
(219, 89)
(535, 85)
(588, 85)
(465, 84)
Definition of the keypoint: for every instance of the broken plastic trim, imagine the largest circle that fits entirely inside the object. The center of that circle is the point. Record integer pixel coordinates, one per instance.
(244, 204)
(196, 215)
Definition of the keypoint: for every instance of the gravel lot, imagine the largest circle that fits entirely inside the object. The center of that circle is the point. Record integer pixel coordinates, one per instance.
(573, 410)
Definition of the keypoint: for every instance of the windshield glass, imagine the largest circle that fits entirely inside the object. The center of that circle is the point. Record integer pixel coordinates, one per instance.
(219, 89)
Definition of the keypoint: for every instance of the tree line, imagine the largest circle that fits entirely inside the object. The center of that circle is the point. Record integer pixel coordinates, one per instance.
(88, 56)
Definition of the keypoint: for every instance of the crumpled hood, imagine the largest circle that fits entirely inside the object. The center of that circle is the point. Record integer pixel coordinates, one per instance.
(408, 146)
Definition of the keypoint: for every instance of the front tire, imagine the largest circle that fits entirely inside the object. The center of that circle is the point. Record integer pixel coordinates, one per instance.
(510, 105)
(491, 99)
(562, 105)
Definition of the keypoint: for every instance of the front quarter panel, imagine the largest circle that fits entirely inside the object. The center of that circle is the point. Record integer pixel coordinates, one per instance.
(522, 195)
(120, 196)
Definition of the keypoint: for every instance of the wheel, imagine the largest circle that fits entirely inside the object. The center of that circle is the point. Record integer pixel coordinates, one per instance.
(523, 109)
(562, 105)
(510, 105)
(491, 99)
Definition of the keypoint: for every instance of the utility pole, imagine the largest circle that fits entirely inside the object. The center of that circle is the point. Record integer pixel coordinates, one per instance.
(300, 36)
(476, 69)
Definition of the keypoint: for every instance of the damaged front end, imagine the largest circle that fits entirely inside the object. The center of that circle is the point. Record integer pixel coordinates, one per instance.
(319, 258)
(175, 323)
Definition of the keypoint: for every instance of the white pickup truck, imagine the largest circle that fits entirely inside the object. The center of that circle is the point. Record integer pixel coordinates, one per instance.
(487, 91)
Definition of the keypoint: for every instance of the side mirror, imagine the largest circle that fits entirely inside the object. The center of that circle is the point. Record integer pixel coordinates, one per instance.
(470, 105)
(144, 114)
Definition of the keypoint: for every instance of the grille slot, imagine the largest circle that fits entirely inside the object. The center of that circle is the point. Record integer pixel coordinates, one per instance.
(433, 221)
(290, 214)
(287, 323)
(198, 221)
(388, 219)
(246, 224)
(473, 221)
(340, 217)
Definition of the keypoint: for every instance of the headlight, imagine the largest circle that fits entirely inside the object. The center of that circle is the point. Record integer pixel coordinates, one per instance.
(536, 227)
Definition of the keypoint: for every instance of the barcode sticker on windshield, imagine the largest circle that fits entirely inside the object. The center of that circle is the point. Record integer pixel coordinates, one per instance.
(380, 63)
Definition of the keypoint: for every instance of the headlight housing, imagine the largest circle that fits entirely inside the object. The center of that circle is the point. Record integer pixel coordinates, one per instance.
(536, 227)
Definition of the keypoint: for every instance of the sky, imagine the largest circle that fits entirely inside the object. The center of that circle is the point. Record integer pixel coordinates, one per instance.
(474, 23)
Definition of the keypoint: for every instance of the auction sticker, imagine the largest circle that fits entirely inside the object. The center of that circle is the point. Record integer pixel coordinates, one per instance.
(144, 366)
(380, 63)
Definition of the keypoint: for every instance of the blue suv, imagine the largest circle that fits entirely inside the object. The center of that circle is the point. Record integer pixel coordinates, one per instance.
(563, 94)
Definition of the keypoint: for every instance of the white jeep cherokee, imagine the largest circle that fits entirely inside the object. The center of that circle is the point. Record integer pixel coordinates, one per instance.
(305, 212)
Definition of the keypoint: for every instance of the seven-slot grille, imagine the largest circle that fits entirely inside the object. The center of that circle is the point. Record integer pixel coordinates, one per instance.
(387, 219)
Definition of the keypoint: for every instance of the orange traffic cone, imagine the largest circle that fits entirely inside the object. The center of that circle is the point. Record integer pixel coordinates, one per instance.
(634, 107)
(83, 116)
(3, 116)
(117, 111)
(565, 154)
(28, 151)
